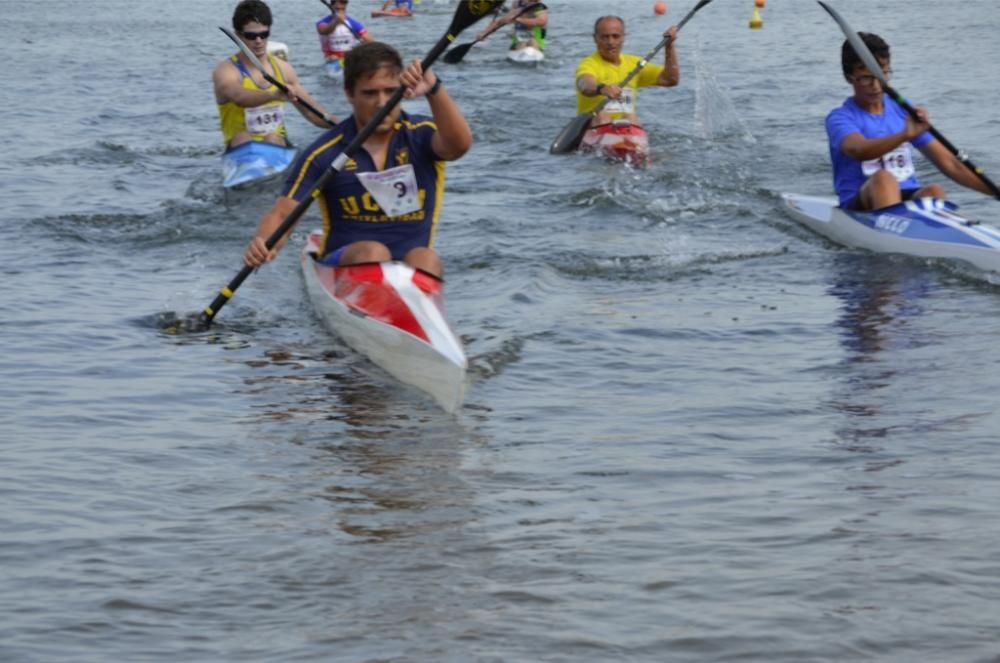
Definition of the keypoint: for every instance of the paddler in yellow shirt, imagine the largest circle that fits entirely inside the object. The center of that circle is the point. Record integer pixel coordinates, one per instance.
(251, 108)
(598, 74)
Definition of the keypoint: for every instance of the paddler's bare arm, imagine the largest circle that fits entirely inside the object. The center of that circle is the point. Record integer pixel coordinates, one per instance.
(671, 74)
(589, 87)
(950, 165)
(860, 148)
(257, 253)
(228, 86)
(453, 137)
(299, 92)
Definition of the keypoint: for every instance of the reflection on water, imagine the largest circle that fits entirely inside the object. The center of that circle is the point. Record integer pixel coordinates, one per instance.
(880, 297)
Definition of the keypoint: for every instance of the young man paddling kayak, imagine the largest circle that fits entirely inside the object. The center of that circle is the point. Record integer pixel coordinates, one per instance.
(871, 139)
(598, 75)
(529, 26)
(250, 108)
(339, 33)
(384, 203)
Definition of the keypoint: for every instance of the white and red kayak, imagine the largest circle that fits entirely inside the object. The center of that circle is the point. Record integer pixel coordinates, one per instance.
(619, 140)
(394, 315)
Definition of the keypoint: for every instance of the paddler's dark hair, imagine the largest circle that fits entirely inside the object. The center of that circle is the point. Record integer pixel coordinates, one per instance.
(249, 11)
(849, 59)
(367, 58)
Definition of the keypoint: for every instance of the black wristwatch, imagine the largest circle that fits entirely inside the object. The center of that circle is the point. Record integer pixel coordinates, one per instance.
(599, 88)
(434, 88)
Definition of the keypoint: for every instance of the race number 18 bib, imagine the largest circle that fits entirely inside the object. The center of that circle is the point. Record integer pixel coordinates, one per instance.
(395, 189)
(899, 162)
(625, 104)
(264, 119)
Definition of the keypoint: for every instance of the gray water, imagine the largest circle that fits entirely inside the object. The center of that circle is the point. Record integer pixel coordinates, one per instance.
(694, 431)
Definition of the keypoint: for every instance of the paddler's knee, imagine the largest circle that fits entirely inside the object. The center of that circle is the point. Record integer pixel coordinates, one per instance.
(365, 251)
(425, 259)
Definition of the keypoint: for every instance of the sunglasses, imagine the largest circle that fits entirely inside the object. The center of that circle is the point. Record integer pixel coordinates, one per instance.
(255, 35)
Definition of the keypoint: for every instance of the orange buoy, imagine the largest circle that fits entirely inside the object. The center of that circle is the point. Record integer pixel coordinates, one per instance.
(660, 8)
(756, 21)
(759, 4)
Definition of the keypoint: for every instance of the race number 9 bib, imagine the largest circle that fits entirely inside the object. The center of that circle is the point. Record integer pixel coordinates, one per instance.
(395, 189)
(899, 162)
(625, 104)
(264, 119)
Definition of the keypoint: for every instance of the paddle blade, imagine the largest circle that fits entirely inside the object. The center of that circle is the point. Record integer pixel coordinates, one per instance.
(857, 44)
(470, 11)
(455, 55)
(571, 135)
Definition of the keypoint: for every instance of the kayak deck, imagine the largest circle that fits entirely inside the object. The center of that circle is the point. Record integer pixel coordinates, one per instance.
(254, 161)
(393, 315)
(924, 227)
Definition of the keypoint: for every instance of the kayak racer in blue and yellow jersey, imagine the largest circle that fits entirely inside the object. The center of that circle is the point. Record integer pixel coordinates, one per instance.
(384, 203)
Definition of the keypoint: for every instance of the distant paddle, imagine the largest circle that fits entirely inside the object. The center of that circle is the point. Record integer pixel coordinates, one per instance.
(571, 135)
(467, 13)
(455, 55)
(872, 64)
(272, 80)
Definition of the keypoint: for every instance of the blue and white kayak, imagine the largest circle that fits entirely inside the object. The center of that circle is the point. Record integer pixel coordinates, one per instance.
(924, 227)
(334, 68)
(254, 161)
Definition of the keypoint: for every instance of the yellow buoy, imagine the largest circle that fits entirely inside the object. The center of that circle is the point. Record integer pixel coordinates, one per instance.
(755, 20)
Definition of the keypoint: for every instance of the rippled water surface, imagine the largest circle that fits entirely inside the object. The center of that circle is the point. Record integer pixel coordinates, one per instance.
(693, 431)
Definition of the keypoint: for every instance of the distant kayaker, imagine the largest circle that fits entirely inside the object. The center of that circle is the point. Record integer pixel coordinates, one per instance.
(398, 6)
(871, 139)
(599, 74)
(250, 108)
(529, 26)
(339, 33)
(384, 203)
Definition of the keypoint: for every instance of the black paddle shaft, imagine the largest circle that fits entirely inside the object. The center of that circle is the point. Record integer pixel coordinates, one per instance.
(271, 79)
(859, 46)
(468, 12)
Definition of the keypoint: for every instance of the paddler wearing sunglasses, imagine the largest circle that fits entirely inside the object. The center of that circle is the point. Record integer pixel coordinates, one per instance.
(251, 108)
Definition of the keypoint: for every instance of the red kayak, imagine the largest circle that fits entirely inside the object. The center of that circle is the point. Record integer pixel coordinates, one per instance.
(394, 315)
(400, 11)
(619, 140)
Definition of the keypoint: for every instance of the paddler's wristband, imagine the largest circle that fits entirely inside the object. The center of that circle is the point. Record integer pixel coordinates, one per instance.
(599, 89)
(434, 88)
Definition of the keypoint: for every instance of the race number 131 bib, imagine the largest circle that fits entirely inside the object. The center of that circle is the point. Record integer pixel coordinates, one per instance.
(264, 119)
(899, 162)
(395, 189)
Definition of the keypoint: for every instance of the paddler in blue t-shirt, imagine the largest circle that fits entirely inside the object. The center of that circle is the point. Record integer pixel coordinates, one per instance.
(871, 139)
(384, 203)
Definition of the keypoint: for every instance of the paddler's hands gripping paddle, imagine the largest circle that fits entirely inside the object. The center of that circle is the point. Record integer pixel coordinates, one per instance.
(455, 55)
(859, 46)
(467, 13)
(333, 12)
(273, 81)
(571, 135)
